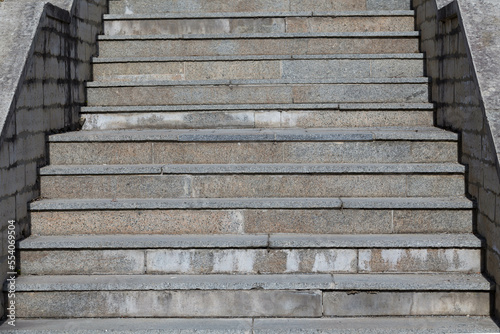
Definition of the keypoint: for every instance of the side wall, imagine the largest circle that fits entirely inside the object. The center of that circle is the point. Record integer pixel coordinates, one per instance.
(464, 104)
(47, 51)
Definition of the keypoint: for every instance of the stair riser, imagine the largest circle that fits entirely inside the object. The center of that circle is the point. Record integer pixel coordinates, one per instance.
(208, 6)
(255, 46)
(256, 119)
(242, 94)
(249, 261)
(256, 303)
(261, 69)
(251, 152)
(256, 186)
(258, 25)
(251, 221)
(406, 303)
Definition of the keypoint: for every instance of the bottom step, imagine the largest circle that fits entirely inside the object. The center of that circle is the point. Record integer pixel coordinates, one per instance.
(252, 296)
(384, 325)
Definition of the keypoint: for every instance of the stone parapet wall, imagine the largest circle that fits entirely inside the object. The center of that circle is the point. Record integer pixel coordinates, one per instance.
(463, 56)
(46, 50)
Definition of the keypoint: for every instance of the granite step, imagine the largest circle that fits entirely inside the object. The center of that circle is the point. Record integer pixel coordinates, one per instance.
(249, 254)
(227, 23)
(344, 90)
(258, 116)
(338, 325)
(208, 6)
(251, 216)
(252, 180)
(263, 296)
(258, 44)
(230, 146)
(258, 67)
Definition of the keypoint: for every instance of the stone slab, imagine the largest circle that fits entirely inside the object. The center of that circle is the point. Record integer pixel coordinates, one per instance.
(231, 58)
(254, 119)
(377, 325)
(381, 325)
(114, 304)
(368, 282)
(420, 260)
(251, 169)
(257, 46)
(159, 93)
(144, 242)
(130, 326)
(192, 6)
(173, 282)
(260, 261)
(400, 133)
(385, 241)
(406, 304)
(237, 152)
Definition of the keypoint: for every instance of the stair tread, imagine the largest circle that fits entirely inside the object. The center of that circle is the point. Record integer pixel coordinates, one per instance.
(368, 34)
(251, 241)
(258, 14)
(253, 203)
(277, 168)
(211, 107)
(338, 325)
(242, 82)
(268, 134)
(401, 282)
(98, 60)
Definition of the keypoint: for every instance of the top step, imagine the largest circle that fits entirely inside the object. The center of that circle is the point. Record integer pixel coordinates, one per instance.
(211, 6)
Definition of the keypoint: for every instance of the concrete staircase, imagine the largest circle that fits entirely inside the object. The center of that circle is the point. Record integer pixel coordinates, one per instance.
(258, 166)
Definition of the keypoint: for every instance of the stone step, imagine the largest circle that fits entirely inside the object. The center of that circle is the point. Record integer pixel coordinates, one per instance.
(210, 6)
(338, 325)
(258, 116)
(231, 23)
(258, 44)
(258, 67)
(252, 180)
(250, 216)
(249, 254)
(76, 296)
(364, 90)
(363, 145)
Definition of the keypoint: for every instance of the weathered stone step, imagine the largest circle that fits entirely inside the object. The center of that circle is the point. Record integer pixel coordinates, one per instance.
(275, 241)
(252, 254)
(258, 116)
(363, 145)
(227, 23)
(209, 6)
(364, 90)
(258, 44)
(250, 216)
(251, 295)
(253, 180)
(254, 67)
(338, 325)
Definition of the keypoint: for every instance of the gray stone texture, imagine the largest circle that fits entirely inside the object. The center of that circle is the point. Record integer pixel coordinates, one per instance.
(256, 46)
(191, 303)
(409, 303)
(461, 48)
(252, 152)
(206, 6)
(234, 185)
(293, 24)
(46, 50)
(381, 325)
(261, 69)
(271, 93)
